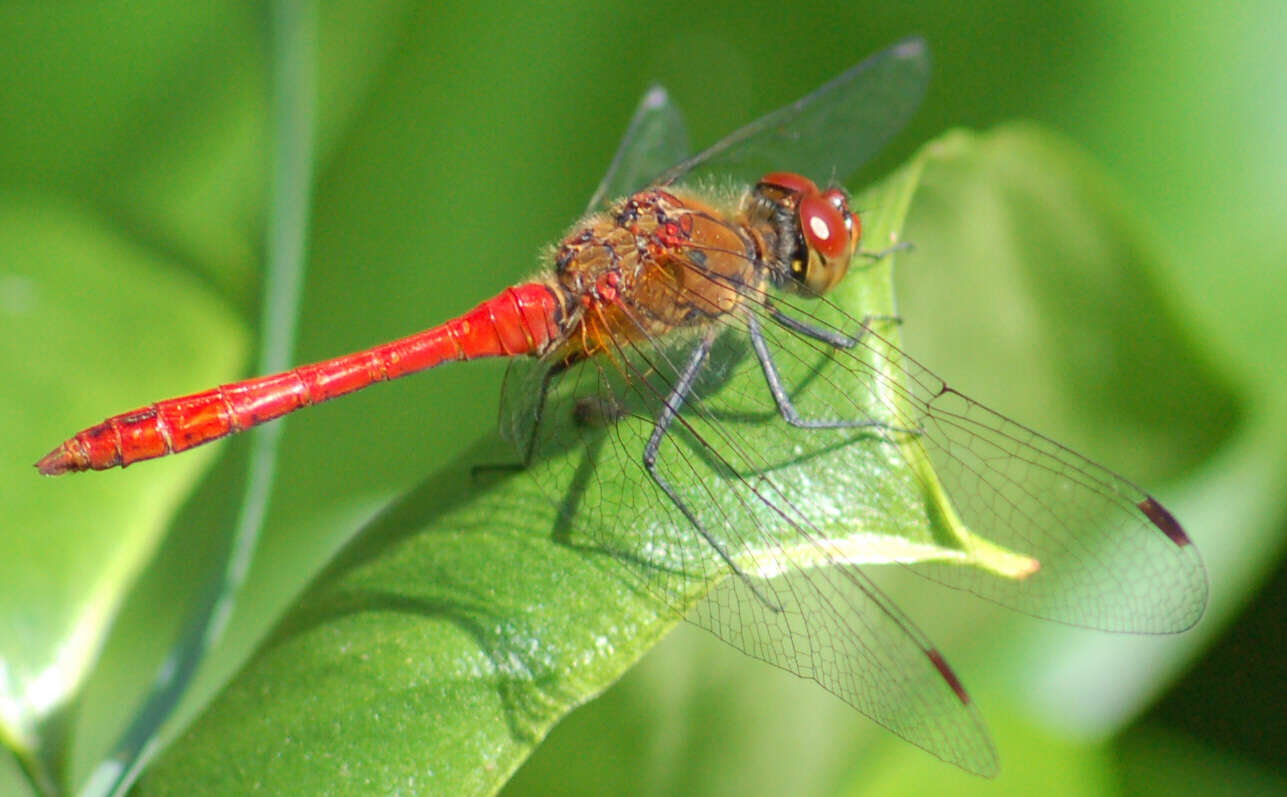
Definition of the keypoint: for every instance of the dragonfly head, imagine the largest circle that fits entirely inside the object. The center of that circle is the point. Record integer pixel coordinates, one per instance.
(817, 233)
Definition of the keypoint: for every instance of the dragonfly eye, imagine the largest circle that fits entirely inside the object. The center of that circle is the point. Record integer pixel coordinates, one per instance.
(825, 233)
(853, 225)
(827, 228)
(823, 226)
(788, 183)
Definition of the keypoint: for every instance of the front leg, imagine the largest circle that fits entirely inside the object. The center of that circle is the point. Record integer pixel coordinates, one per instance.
(831, 337)
(785, 406)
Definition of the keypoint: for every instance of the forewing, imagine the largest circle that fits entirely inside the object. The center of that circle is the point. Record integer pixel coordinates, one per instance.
(1040, 528)
(830, 132)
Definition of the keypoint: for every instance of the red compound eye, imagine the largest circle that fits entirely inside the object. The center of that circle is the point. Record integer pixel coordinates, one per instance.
(823, 225)
(838, 198)
(791, 183)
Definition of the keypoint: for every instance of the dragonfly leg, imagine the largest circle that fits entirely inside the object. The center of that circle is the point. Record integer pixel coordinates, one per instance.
(829, 336)
(901, 246)
(780, 396)
(669, 411)
(529, 450)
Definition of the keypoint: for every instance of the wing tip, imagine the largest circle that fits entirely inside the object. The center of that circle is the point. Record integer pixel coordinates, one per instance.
(1161, 517)
(944, 670)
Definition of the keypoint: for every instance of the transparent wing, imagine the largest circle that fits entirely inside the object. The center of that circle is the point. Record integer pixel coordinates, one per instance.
(786, 517)
(1103, 553)
(827, 134)
(655, 140)
(775, 518)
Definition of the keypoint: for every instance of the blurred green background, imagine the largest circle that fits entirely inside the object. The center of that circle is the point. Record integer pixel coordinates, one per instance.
(453, 141)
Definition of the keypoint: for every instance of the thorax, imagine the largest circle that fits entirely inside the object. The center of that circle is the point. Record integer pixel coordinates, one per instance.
(653, 262)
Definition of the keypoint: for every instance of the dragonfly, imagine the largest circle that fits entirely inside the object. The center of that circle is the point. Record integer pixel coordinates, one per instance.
(682, 384)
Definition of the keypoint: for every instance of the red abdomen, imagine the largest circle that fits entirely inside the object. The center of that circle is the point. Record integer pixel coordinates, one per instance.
(524, 319)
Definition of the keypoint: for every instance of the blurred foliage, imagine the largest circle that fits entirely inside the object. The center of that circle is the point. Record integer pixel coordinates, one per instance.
(454, 140)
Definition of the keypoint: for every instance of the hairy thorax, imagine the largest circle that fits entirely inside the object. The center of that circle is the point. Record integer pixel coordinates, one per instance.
(652, 263)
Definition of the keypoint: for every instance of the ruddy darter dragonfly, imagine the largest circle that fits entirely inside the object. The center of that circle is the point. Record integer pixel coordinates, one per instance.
(697, 407)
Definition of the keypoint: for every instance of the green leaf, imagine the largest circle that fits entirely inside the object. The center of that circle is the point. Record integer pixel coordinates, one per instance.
(1022, 242)
(70, 548)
